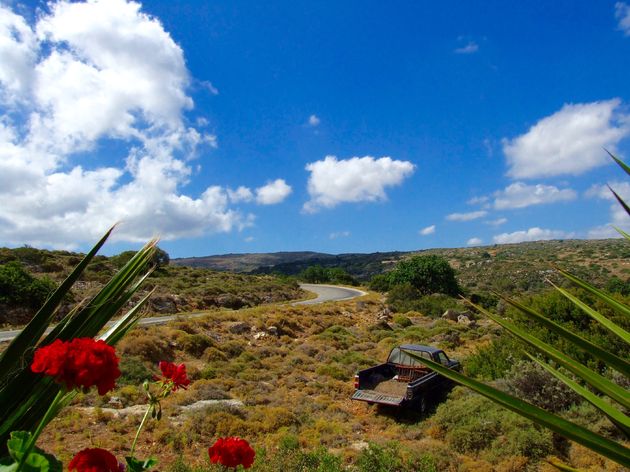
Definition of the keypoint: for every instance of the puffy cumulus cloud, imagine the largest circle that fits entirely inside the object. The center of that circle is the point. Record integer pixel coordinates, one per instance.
(474, 242)
(568, 142)
(358, 179)
(314, 120)
(520, 195)
(532, 234)
(241, 194)
(82, 73)
(427, 231)
(622, 13)
(272, 193)
(472, 215)
(618, 216)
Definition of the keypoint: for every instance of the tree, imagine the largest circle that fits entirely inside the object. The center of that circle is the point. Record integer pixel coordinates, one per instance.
(428, 274)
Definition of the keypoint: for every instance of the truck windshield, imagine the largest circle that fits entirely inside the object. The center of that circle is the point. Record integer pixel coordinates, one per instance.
(442, 358)
(397, 356)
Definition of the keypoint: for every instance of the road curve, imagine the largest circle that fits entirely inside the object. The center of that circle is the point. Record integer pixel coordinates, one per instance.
(329, 293)
(325, 293)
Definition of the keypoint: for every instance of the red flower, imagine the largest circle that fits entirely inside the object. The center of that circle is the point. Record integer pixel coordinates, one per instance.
(94, 460)
(232, 452)
(175, 373)
(81, 362)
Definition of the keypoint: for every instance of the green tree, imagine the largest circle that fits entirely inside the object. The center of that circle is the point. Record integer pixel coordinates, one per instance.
(18, 287)
(427, 274)
(314, 274)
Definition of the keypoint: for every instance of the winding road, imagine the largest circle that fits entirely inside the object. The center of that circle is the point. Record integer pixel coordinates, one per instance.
(325, 293)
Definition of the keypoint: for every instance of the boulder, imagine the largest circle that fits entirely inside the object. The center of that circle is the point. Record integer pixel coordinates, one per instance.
(238, 327)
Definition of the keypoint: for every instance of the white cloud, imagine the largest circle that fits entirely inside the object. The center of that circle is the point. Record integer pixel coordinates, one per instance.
(497, 222)
(568, 142)
(483, 200)
(618, 216)
(427, 231)
(249, 239)
(82, 73)
(474, 242)
(473, 215)
(272, 193)
(241, 194)
(622, 14)
(469, 48)
(520, 195)
(314, 120)
(339, 234)
(358, 179)
(532, 234)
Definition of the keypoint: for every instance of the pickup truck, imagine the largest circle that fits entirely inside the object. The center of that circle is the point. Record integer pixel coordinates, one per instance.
(403, 381)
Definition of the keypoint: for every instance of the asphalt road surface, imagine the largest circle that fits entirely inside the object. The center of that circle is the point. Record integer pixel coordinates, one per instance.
(329, 293)
(325, 293)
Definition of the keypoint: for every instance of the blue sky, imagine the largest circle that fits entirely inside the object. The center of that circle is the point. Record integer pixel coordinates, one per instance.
(327, 126)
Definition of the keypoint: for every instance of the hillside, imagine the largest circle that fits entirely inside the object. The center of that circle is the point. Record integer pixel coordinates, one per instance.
(27, 275)
(507, 268)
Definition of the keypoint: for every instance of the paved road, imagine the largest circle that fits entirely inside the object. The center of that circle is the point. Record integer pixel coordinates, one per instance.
(325, 293)
(329, 293)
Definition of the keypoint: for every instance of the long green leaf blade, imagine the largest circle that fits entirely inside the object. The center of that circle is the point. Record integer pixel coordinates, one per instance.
(620, 200)
(614, 328)
(610, 301)
(609, 358)
(615, 415)
(34, 330)
(594, 379)
(622, 164)
(572, 431)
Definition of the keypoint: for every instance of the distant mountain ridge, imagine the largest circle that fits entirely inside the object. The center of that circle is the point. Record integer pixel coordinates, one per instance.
(508, 267)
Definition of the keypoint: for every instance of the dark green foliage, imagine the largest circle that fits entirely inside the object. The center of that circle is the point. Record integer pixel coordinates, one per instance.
(494, 360)
(427, 274)
(376, 458)
(405, 298)
(18, 287)
(616, 285)
(379, 283)
(532, 383)
(160, 258)
(133, 371)
(471, 423)
(316, 274)
(196, 344)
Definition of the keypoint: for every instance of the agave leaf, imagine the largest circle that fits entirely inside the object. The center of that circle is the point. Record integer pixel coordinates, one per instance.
(609, 358)
(572, 431)
(11, 358)
(616, 329)
(561, 465)
(620, 200)
(619, 161)
(125, 323)
(594, 379)
(622, 232)
(616, 416)
(610, 301)
(25, 397)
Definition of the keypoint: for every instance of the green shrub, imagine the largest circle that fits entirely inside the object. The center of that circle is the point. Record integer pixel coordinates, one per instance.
(494, 360)
(377, 458)
(532, 383)
(18, 287)
(196, 344)
(428, 274)
(402, 321)
(133, 370)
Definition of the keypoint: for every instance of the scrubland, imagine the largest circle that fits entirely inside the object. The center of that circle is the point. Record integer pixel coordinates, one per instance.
(291, 371)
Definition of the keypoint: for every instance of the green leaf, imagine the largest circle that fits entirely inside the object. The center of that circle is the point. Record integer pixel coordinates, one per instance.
(139, 465)
(614, 328)
(569, 430)
(619, 161)
(594, 379)
(616, 416)
(37, 460)
(622, 232)
(620, 200)
(610, 301)
(609, 358)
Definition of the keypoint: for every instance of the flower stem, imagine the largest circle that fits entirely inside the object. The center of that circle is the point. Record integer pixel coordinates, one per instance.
(144, 420)
(50, 414)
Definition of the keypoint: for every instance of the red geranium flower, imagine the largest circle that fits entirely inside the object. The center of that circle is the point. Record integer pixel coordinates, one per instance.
(94, 460)
(175, 373)
(232, 452)
(81, 362)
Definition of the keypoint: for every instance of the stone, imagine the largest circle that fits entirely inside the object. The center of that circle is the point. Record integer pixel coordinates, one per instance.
(238, 327)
